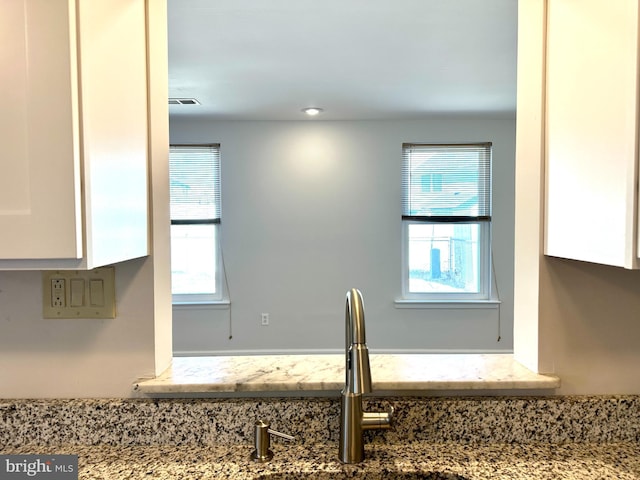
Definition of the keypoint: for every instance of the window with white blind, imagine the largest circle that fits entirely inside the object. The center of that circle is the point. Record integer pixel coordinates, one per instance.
(446, 221)
(194, 176)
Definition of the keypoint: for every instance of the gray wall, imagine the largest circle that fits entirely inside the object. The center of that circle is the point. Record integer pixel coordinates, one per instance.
(311, 209)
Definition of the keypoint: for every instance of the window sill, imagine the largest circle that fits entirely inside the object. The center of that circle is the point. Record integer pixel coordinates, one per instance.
(446, 304)
(211, 305)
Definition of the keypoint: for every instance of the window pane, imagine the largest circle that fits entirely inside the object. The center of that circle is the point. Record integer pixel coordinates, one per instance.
(193, 259)
(444, 258)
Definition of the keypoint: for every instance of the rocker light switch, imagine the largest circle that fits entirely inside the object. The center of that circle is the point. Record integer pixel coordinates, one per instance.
(96, 295)
(77, 292)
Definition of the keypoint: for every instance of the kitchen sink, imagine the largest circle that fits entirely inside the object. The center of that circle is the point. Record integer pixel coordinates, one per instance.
(362, 474)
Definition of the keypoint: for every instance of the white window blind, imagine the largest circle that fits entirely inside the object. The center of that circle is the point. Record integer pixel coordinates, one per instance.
(194, 172)
(446, 183)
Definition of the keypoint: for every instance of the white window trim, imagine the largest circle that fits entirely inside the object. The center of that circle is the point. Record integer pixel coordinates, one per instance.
(487, 294)
(447, 305)
(220, 299)
(224, 304)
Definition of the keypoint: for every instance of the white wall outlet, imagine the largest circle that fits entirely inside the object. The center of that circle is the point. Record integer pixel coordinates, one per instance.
(58, 292)
(264, 319)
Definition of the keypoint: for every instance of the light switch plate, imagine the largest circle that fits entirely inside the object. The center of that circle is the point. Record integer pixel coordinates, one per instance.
(79, 293)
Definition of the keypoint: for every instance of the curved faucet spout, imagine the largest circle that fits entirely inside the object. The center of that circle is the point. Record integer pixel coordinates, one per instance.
(354, 318)
(358, 372)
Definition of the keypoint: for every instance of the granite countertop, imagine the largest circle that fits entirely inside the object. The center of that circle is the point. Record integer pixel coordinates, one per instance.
(325, 372)
(475, 438)
(619, 461)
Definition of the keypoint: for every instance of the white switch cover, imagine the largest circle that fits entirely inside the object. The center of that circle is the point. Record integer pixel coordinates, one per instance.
(79, 293)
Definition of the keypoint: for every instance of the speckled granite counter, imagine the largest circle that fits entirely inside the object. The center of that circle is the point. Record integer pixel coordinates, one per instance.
(461, 437)
(314, 373)
(319, 462)
(178, 422)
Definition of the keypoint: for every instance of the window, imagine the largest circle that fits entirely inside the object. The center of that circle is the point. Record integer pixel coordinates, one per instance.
(194, 177)
(446, 221)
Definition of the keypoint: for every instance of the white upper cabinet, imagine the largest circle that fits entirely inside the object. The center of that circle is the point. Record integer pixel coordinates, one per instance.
(74, 133)
(592, 131)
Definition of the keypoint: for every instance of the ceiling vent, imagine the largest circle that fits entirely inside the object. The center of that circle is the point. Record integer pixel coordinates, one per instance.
(183, 101)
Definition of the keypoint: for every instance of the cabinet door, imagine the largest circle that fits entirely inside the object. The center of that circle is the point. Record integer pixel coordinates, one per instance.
(40, 208)
(591, 130)
(73, 188)
(114, 86)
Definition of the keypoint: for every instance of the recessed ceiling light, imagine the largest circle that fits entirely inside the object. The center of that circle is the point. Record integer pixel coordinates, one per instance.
(312, 111)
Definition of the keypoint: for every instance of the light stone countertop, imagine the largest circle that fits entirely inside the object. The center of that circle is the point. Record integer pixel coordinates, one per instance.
(326, 373)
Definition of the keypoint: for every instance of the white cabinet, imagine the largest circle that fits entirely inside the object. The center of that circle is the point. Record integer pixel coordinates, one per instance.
(74, 133)
(592, 131)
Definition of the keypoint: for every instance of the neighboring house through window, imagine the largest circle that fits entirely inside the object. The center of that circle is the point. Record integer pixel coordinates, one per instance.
(446, 213)
(196, 270)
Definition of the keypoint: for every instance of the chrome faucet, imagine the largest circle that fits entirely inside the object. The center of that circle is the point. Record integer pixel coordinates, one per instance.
(353, 421)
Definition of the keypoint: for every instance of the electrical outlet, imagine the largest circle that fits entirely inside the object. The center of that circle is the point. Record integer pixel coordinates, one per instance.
(265, 319)
(58, 293)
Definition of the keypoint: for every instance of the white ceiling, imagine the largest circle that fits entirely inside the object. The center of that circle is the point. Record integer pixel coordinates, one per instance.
(356, 59)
